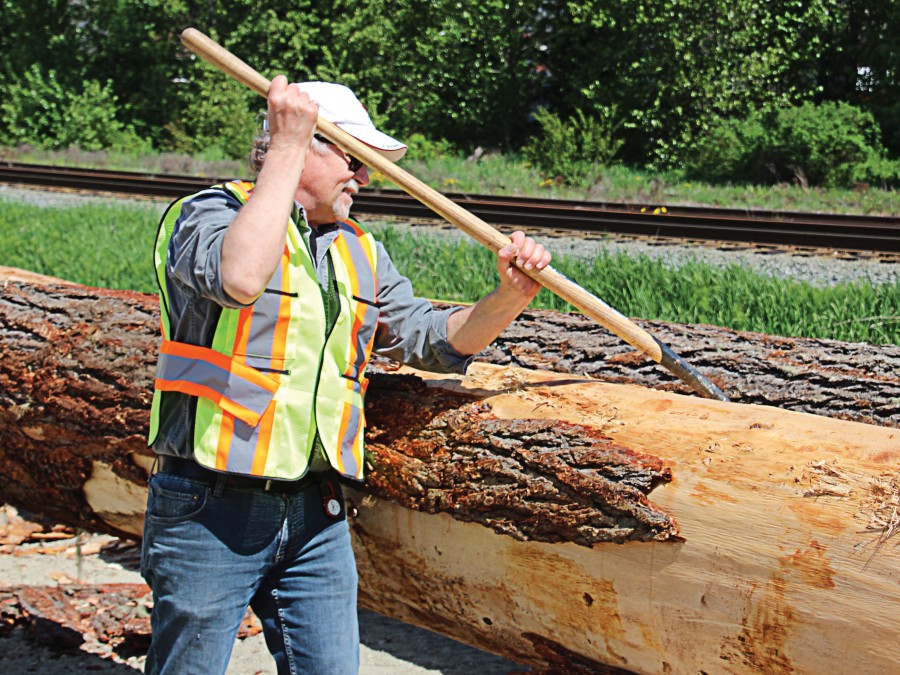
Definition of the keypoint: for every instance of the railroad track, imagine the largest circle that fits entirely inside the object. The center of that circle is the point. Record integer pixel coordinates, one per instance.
(837, 232)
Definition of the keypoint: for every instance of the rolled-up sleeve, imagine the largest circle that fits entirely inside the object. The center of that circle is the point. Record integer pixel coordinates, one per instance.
(410, 330)
(194, 256)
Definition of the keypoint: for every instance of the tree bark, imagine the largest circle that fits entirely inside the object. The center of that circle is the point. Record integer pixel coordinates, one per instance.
(747, 537)
(847, 380)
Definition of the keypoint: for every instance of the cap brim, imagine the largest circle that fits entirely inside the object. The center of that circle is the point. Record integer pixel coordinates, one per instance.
(389, 148)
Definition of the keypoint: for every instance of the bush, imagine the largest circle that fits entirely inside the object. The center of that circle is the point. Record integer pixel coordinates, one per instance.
(217, 120)
(879, 172)
(825, 144)
(38, 110)
(421, 148)
(574, 149)
(32, 108)
(729, 151)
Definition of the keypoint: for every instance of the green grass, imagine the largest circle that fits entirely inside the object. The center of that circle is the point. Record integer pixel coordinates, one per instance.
(110, 246)
(645, 288)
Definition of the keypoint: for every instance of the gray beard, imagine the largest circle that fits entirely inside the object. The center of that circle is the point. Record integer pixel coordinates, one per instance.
(340, 208)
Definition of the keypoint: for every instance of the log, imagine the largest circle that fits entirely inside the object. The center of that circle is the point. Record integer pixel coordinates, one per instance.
(70, 615)
(560, 521)
(848, 380)
(76, 367)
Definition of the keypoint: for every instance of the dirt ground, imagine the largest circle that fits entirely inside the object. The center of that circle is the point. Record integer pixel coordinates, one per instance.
(38, 554)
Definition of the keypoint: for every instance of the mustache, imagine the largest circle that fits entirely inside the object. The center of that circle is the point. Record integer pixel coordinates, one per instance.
(351, 185)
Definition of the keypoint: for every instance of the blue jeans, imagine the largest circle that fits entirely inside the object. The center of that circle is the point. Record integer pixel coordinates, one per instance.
(209, 553)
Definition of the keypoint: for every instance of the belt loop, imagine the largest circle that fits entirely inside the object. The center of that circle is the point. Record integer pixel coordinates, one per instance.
(153, 467)
(220, 485)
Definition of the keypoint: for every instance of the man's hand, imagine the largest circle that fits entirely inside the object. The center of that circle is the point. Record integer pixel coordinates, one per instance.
(255, 240)
(291, 115)
(525, 253)
(474, 328)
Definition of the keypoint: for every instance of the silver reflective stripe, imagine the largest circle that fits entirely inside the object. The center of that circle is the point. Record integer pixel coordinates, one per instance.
(265, 318)
(361, 263)
(348, 458)
(233, 387)
(362, 340)
(243, 448)
(368, 293)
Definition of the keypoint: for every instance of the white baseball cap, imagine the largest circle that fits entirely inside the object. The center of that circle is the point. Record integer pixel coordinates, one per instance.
(339, 105)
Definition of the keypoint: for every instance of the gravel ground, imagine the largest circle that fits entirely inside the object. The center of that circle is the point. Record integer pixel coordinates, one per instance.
(825, 268)
(388, 647)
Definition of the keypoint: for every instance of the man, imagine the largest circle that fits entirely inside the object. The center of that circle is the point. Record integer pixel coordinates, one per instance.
(272, 301)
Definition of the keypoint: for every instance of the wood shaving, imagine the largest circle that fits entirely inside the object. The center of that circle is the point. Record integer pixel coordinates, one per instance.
(825, 479)
(882, 510)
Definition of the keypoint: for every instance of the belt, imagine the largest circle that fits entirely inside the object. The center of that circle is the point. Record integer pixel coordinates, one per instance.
(188, 468)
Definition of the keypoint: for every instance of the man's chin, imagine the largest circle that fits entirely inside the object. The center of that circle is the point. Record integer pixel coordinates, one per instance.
(342, 207)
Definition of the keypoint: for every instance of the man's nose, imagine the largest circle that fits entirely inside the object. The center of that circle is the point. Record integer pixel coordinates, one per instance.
(362, 176)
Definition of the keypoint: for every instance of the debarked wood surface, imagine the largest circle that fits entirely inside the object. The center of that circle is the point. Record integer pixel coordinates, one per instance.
(557, 520)
(786, 563)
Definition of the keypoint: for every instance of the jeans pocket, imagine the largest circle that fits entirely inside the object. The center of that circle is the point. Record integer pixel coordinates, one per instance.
(174, 499)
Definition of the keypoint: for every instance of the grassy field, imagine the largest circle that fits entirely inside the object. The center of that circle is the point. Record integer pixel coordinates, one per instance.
(110, 246)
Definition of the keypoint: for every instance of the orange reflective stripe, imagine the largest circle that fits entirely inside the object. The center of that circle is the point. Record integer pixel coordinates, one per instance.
(243, 187)
(185, 387)
(355, 250)
(226, 432)
(242, 334)
(358, 322)
(279, 340)
(266, 425)
(242, 391)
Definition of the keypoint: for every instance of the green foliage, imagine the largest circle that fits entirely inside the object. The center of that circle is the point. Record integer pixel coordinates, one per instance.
(36, 109)
(32, 108)
(670, 67)
(829, 144)
(469, 72)
(878, 171)
(217, 119)
(574, 149)
(823, 143)
(460, 70)
(422, 148)
(860, 63)
(132, 44)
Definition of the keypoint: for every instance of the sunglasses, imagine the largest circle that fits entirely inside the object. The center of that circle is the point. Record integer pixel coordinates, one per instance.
(352, 163)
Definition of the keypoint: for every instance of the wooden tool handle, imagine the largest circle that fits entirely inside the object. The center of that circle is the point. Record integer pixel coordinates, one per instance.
(214, 53)
(476, 228)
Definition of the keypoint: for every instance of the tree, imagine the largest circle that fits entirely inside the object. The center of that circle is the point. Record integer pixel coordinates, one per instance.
(861, 64)
(671, 67)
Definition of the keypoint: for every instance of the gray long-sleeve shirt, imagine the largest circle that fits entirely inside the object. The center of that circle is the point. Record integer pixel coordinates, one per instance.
(409, 329)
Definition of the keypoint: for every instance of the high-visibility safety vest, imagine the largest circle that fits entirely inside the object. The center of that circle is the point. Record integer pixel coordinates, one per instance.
(272, 377)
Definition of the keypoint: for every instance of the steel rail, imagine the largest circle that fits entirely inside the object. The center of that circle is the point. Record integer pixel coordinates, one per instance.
(844, 232)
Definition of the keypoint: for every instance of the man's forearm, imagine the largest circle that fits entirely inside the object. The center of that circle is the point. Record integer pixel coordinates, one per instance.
(474, 328)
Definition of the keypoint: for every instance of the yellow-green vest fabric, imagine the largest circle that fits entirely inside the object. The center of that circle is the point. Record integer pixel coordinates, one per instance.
(272, 379)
